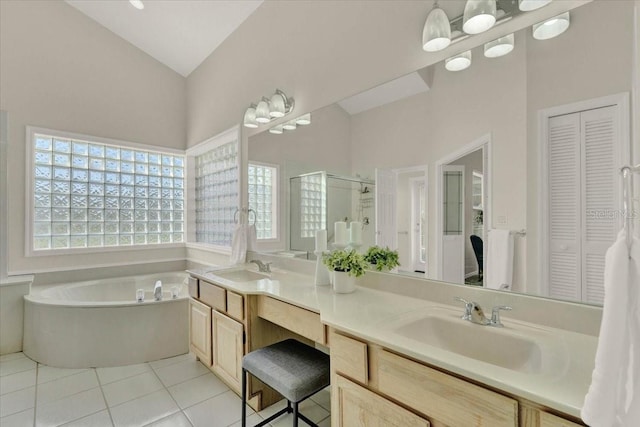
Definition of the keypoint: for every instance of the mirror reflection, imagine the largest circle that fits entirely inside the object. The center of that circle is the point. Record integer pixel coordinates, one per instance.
(500, 175)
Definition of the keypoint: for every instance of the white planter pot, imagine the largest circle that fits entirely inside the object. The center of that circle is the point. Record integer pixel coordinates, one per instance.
(343, 283)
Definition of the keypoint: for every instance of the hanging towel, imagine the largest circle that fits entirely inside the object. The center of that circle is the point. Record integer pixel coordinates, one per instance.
(251, 238)
(239, 244)
(613, 399)
(499, 264)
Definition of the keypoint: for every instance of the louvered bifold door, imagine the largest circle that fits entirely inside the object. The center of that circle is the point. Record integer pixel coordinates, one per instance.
(599, 196)
(564, 207)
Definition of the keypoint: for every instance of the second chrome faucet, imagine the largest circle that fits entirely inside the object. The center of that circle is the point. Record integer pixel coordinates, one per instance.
(474, 314)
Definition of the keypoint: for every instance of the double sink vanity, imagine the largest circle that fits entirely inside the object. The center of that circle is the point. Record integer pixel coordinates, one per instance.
(401, 354)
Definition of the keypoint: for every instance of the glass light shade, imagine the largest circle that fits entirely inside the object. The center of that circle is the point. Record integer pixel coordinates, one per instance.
(479, 16)
(459, 62)
(262, 112)
(278, 129)
(499, 47)
(277, 105)
(529, 5)
(551, 27)
(304, 119)
(436, 34)
(137, 4)
(290, 125)
(250, 118)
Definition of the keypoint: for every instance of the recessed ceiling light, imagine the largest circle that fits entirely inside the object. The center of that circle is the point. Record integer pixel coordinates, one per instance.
(137, 4)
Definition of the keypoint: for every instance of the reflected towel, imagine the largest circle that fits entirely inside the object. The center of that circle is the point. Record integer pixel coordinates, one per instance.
(239, 245)
(613, 399)
(498, 266)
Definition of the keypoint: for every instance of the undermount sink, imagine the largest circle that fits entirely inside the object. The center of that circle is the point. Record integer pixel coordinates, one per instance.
(500, 347)
(239, 275)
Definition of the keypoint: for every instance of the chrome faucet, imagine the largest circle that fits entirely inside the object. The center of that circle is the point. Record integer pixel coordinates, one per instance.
(263, 267)
(474, 314)
(157, 291)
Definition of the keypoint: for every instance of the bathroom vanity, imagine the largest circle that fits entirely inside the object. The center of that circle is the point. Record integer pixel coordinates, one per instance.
(399, 359)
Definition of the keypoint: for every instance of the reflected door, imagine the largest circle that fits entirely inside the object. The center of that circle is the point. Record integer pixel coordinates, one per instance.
(385, 201)
(453, 224)
(419, 224)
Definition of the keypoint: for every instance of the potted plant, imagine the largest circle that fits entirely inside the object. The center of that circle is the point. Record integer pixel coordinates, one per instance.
(382, 259)
(346, 267)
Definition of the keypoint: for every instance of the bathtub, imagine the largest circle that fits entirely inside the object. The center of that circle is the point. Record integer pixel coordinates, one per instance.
(99, 323)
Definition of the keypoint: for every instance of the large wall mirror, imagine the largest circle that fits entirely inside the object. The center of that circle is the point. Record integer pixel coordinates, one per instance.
(529, 143)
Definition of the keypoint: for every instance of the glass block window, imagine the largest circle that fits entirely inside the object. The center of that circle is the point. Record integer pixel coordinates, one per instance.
(89, 194)
(263, 191)
(313, 204)
(216, 194)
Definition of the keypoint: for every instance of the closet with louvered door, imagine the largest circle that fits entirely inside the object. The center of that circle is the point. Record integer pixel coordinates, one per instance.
(583, 149)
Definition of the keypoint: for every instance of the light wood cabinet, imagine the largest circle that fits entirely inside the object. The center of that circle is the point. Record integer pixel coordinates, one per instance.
(349, 357)
(228, 349)
(235, 305)
(296, 319)
(355, 406)
(548, 420)
(213, 295)
(200, 331)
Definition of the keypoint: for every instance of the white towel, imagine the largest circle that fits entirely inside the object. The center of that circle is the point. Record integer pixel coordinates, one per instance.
(613, 399)
(239, 244)
(498, 266)
(251, 238)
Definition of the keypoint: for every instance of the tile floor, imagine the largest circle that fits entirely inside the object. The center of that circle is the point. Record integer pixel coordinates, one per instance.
(175, 392)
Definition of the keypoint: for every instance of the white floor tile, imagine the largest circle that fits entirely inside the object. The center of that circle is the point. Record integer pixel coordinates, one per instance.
(270, 410)
(17, 401)
(66, 386)
(21, 419)
(18, 381)
(220, 411)
(99, 419)
(176, 420)
(144, 410)
(131, 388)
(193, 391)
(180, 372)
(251, 421)
(109, 375)
(12, 356)
(171, 360)
(323, 398)
(14, 366)
(70, 408)
(325, 423)
(48, 373)
(308, 408)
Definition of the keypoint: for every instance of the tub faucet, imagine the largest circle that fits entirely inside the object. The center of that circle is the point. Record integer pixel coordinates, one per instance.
(157, 291)
(263, 267)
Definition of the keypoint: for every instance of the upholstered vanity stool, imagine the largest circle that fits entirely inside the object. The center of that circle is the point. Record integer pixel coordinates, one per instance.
(293, 369)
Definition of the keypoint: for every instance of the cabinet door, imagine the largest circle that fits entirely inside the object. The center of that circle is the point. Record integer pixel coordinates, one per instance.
(200, 331)
(548, 420)
(355, 406)
(228, 349)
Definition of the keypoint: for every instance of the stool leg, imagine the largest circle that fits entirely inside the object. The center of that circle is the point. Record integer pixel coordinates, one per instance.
(244, 398)
(295, 414)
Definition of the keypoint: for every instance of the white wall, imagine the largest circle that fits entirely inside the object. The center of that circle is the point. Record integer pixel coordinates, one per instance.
(61, 70)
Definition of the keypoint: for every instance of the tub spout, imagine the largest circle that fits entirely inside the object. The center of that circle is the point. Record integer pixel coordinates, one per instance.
(157, 291)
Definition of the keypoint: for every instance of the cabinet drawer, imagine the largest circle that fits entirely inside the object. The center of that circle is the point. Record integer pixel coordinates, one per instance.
(349, 357)
(296, 319)
(193, 287)
(235, 305)
(548, 420)
(355, 406)
(213, 295)
(441, 397)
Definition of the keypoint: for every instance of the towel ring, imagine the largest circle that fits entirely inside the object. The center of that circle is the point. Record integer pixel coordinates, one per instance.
(235, 216)
(249, 212)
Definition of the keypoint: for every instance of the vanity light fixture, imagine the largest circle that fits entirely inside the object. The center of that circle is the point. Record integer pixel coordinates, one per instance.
(280, 104)
(263, 114)
(529, 5)
(250, 117)
(459, 62)
(137, 4)
(552, 27)
(499, 47)
(290, 125)
(436, 34)
(304, 119)
(277, 129)
(479, 16)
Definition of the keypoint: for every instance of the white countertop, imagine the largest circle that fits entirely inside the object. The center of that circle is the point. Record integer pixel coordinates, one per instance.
(375, 316)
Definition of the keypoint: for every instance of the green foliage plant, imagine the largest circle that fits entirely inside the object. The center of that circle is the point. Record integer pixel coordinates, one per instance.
(350, 262)
(382, 258)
